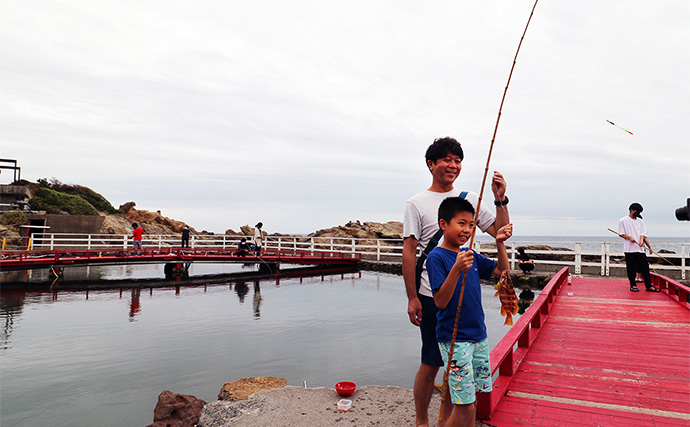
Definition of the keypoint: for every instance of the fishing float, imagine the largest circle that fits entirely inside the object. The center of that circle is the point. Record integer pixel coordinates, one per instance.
(619, 127)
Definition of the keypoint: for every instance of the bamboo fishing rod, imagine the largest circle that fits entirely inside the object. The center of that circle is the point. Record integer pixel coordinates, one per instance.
(650, 252)
(476, 216)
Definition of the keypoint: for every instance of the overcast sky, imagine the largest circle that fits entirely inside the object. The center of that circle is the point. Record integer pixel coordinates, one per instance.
(309, 114)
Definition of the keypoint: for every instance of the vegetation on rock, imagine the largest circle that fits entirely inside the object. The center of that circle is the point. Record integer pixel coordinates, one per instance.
(97, 201)
(13, 218)
(56, 202)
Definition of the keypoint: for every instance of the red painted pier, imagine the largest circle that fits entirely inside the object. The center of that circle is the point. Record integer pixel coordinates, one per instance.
(593, 353)
(20, 260)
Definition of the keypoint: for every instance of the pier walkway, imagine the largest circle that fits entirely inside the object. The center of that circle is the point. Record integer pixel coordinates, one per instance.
(20, 260)
(592, 353)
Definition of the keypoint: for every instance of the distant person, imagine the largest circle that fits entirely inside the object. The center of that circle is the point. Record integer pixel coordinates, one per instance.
(470, 369)
(420, 226)
(525, 299)
(524, 262)
(632, 228)
(137, 237)
(259, 236)
(243, 247)
(185, 238)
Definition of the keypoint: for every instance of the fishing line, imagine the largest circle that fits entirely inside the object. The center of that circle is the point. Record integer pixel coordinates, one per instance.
(476, 217)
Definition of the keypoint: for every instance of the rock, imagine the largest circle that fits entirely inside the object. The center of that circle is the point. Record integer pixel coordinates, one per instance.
(151, 222)
(245, 387)
(176, 410)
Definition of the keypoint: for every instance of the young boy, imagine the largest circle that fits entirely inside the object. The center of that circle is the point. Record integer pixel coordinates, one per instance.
(470, 370)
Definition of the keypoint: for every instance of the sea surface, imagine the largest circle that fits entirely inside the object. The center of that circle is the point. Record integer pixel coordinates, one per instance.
(100, 358)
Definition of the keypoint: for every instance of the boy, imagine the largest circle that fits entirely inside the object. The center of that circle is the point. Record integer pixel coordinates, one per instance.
(470, 370)
(137, 238)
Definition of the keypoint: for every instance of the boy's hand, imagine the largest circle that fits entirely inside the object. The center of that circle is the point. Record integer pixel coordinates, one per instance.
(504, 233)
(464, 261)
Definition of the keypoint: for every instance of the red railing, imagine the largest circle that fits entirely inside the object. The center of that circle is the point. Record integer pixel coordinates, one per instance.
(509, 352)
(677, 291)
(43, 259)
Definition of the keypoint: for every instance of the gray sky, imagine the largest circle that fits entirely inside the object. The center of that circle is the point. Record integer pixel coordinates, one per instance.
(308, 114)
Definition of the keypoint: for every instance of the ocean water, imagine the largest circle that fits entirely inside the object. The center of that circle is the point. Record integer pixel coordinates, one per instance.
(592, 243)
(100, 358)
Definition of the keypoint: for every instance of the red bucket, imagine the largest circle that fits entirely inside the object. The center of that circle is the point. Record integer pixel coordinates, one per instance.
(345, 388)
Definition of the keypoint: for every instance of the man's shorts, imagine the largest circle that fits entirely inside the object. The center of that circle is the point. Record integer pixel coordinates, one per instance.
(470, 370)
(430, 353)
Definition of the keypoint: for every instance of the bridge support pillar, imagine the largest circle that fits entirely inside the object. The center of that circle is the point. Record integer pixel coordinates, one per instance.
(175, 271)
(269, 267)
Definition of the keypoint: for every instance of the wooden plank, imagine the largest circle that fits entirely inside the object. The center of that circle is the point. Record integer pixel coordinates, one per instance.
(604, 356)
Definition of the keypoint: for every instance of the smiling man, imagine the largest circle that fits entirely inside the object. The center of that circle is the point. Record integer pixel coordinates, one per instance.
(420, 226)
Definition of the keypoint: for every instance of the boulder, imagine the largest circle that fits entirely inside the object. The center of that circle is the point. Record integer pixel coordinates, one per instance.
(245, 387)
(176, 410)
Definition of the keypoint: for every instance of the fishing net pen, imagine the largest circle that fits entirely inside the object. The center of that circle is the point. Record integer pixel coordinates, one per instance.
(476, 217)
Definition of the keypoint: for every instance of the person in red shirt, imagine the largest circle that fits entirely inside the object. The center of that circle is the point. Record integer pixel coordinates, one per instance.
(137, 234)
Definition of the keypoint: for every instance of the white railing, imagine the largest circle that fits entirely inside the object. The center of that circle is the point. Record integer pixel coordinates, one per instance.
(597, 258)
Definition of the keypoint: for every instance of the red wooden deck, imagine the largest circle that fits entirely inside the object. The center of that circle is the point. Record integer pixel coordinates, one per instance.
(604, 356)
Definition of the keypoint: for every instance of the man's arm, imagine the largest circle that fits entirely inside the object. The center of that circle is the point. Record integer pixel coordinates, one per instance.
(645, 241)
(498, 186)
(409, 265)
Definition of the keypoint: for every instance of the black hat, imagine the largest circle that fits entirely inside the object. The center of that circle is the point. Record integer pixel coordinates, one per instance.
(637, 208)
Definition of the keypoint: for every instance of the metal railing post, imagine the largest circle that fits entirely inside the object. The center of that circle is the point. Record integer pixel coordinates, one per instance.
(378, 249)
(52, 241)
(88, 242)
(578, 258)
(512, 255)
(124, 241)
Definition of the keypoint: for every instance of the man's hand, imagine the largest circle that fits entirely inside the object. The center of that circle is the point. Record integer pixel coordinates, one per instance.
(498, 186)
(414, 310)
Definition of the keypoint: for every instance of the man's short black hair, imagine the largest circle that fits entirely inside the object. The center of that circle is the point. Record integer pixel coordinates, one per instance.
(452, 206)
(442, 147)
(637, 209)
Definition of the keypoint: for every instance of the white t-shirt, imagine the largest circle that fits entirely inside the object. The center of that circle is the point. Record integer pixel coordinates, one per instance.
(258, 237)
(421, 221)
(633, 227)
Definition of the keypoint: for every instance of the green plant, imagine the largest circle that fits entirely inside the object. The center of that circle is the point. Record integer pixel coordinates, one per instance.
(56, 202)
(13, 218)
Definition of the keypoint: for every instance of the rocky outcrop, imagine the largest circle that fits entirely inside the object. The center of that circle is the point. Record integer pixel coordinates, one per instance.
(176, 410)
(151, 222)
(366, 230)
(245, 387)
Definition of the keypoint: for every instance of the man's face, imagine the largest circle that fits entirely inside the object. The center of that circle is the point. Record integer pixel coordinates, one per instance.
(459, 230)
(446, 169)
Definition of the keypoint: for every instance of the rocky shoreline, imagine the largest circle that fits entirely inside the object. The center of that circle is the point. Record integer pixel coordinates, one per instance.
(270, 402)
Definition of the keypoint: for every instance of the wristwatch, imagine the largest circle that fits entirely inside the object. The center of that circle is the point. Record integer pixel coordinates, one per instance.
(501, 202)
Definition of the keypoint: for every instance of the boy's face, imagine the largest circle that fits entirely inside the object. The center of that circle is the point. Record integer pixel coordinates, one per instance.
(459, 230)
(446, 169)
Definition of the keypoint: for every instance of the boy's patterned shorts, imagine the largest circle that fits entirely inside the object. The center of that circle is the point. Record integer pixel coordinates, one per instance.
(470, 370)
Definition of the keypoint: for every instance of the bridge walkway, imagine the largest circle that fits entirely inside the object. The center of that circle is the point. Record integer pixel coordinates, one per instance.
(597, 354)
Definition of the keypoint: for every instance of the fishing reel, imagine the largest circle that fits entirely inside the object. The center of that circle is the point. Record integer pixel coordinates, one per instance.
(683, 214)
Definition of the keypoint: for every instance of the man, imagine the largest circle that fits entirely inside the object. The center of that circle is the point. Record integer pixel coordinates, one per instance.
(444, 160)
(632, 228)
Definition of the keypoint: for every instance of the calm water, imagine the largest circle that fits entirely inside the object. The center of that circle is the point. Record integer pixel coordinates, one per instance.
(101, 358)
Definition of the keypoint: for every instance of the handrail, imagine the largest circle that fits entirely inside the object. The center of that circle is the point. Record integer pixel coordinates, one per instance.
(676, 291)
(506, 357)
(379, 249)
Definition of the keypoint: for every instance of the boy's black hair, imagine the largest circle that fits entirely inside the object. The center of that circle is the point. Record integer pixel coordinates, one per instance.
(135, 225)
(452, 206)
(442, 147)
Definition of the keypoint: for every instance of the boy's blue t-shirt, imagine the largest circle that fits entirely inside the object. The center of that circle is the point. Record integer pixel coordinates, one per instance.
(471, 327)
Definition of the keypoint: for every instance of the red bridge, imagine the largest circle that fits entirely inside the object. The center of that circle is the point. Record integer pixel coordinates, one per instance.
(591, 353)
(24, 260)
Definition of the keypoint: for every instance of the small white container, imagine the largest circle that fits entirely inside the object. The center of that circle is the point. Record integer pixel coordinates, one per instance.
(344, 405)
(570, 294)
